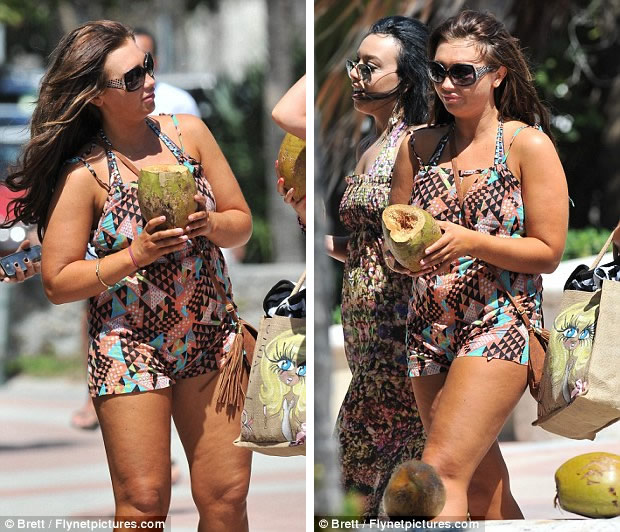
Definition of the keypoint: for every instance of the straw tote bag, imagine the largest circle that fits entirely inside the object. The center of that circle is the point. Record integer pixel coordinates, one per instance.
(580, 388)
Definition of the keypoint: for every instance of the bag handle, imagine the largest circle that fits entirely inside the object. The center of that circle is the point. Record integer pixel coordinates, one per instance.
(599, 257)
(299, 283)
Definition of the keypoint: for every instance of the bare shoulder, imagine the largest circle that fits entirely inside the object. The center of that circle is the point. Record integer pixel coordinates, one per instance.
(194, 131)
(424, 140)
(528, 140)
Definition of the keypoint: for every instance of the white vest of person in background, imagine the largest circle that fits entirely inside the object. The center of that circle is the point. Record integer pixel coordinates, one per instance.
(171, 100)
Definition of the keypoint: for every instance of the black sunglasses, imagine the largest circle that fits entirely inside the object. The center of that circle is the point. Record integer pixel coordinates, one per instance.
(460, 73)
(134, 79)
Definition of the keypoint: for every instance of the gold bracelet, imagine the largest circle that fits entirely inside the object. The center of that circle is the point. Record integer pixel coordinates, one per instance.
(99, 275)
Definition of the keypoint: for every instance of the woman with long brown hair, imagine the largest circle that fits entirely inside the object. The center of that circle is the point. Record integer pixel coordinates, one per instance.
(489, 173)
(158, 333)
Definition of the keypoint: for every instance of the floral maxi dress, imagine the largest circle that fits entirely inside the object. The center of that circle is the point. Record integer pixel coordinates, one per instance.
(378, 426)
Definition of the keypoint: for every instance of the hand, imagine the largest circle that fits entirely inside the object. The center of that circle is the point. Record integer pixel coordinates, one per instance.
(199, 223)
(150, 244)
(392, 264)
(455, 242)
(298, 206)
(32, 268)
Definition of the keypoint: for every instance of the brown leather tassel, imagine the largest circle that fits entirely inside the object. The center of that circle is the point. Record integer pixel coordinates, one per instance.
(230, 391)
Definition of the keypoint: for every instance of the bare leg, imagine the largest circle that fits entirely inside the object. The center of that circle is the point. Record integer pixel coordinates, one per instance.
(136, 434)
(489, 495)
(465, 416)
(219, 471)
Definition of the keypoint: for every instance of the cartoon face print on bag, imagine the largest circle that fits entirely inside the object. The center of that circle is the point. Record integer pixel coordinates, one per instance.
(571, 343)
(283, 370)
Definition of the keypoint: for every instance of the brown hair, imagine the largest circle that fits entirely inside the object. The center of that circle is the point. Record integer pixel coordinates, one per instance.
(516, 98)
(64, 119)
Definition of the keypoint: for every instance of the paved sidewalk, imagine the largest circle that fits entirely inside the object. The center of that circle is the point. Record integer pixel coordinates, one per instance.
(48, 468)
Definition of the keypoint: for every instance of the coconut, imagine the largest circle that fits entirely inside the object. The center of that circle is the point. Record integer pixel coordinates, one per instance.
(589, 485)
(292, 164)
(167, 190)
(408, 231)
(414, 490)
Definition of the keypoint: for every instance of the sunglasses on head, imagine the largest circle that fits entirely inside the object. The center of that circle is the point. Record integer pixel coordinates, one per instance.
(460, 73)
(134, 79)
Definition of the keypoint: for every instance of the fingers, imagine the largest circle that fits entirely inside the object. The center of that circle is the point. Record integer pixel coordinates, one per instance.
(202, 203)
(25, 244)
(288, 198)
(277, 167)
(19, 273)
(153, 223)
(280, 187)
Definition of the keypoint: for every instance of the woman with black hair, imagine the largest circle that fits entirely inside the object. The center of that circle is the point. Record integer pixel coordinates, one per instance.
(489, 173)
(378, 426)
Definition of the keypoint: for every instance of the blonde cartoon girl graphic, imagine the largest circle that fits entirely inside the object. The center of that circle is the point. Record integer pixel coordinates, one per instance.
(283, 392)
(573, 336)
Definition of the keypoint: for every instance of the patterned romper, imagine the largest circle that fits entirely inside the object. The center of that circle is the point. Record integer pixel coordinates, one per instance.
(164, 322)
(465, 312)
(378, 426)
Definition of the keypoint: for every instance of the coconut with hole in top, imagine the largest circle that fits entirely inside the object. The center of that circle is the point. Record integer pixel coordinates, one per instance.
(292, 164)
(589, 485)
(414, 490)
(168, 190)
(408, 231)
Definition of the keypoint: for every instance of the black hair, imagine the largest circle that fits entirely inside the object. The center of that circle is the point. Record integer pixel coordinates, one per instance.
(141, 31)
(413, 86)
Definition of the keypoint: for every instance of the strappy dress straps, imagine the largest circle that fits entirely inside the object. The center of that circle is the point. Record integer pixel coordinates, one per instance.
(175, 121)
(514, 136)
(436, 154)
(81, 159)
(434, 160)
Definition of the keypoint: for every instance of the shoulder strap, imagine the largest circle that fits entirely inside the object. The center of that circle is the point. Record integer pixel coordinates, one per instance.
(514, 137)
(90, 169)
(412, 144)
(175, 121)
(121, 158)
(440, 147)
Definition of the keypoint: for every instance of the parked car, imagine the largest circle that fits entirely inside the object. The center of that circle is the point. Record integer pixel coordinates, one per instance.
(12, 139)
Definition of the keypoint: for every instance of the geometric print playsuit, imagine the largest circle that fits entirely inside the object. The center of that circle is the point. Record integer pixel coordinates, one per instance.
(163, 322)
(465, 312)
(378, 425)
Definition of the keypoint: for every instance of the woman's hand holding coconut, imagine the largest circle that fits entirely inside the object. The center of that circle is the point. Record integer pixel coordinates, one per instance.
(153, 243)
(456, 241)
(200, 223)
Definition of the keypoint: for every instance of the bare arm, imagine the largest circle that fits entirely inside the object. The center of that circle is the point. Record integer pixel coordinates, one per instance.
(231, 225)
(66, 275)
(545, 198)
(336, 247)
(290, 112)
(405, 168)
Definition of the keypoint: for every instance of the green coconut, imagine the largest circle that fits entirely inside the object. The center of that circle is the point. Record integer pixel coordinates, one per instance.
(167, 190)
(408, 231)
(414, 490)
(589, 485)
(292, 164)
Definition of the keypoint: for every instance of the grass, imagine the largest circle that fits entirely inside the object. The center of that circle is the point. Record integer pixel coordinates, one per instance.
(45, 365)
